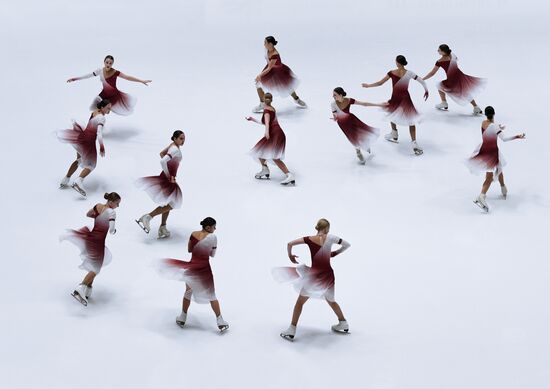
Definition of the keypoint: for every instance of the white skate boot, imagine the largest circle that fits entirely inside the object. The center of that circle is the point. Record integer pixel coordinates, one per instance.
(477, 110)
(263, 174)
(342, 327)
(300, 103)
(481, 203)
(416, 148)
(163, 232)
(442, 106)
(259, 108)
(144, 222)
(222, 324)
(64, 184)
(360, 157)
(504, 191)
(80, 294)
(289, 180)
(88, 293)
(79, 186)
(181, 319)
(289, 334)
(392, 136)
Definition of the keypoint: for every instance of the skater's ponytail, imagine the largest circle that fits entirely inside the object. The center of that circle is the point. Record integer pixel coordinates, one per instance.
(176, 134)
(208, 222)
(445, 48)
(270, 39)
(103, 103)
(113, 196)
(489, 112)
(322, 224)
(400, 59)
(340, 91)
(109, 57)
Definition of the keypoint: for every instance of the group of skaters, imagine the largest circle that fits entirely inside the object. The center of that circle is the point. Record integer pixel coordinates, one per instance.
(316, 281)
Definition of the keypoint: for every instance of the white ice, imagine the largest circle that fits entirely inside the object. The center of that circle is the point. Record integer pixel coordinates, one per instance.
(437, 294)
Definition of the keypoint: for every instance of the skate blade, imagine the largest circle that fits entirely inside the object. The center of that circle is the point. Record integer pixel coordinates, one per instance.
(163, 237)
(79, 190)
(483, 207)
(63, 186)
(142, 226)
(262, 177)
(442, 109)
(301, 106)
(180, 323)
(290, 338)
(223, 328)
(79, 298)
(418, 152)
(291, 183)
(341, 331)
(392, 140)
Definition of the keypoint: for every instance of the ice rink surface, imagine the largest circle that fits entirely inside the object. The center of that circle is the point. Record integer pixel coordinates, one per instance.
(438, 295)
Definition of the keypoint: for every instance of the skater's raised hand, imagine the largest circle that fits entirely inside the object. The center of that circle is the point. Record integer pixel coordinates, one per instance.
(251, 119)
(72, 79)
(293, 258)
(520, 136)
(365, 85)
(146, 82)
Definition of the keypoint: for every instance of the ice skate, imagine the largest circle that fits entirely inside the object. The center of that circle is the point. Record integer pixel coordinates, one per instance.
(88, 293)
(144, 222)
(392, 136)
(289, 180)
(477, 110)
(163, 232)
(443, 106)
(77, 185)
(64, 184)
(181, 319)
(504, 191)
(300, 103)
(80, 294)
(481, 203)
(416, 148)
(259, 108)
(342, 327)
(222, 324)
(289, 333)
(360, 157)
(263, 174)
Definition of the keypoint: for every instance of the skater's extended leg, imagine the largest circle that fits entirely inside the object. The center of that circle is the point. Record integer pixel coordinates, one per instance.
(281, 165)
(487, 182)
(215, 304)
(337, 310)
(298, 309)
(89, 278)
(160, 210)
(186, 298)
(442, 96)
(412, 131)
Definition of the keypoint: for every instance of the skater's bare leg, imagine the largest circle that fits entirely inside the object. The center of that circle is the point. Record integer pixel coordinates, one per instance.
(487, 182)
(501, 179)
(73, 167)
(261, 94)
(186, 300)
(215, 304)
(473, 102)
(412, 131)
(281, 165)
(298, 309)
(164, 218)
(337, 310)
(84, 173)
(89, 278)
(442, 96)
(263, 161)
(160, 210)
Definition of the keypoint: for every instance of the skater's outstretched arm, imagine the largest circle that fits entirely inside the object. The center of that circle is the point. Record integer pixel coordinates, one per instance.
(431, 73)
(89, 75)
(289, 249)
(424, 85)
(134, 79)
(344, 246)
(367, 104)
(377, 83)
(509, 138)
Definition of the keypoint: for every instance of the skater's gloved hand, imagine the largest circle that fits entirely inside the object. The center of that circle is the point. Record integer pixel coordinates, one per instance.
(426, 94)
(293, 258)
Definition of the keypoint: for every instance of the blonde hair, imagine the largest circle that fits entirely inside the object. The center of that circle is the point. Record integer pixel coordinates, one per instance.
(322, 224)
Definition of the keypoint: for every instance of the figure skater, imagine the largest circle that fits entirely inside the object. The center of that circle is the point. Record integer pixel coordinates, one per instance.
(461, 87)
(360, 135)
(123, 103)
(400, 106)
(197, 273)
(163, 189)
(487, 157)
(83, 140)
(316, 281)
(272, 145)
(276, 77)
(93, 252)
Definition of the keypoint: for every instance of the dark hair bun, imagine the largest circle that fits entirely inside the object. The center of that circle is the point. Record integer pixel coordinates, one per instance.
(400, 59)
(113, 196)
(489, 112)
(340, 91)
(208, 222)
(445, 48)
(176, 134)
(271, 39)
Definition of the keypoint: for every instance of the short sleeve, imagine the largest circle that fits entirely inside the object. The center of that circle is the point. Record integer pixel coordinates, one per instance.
(117, 73)
(438, 63)
(306, 239)
(351, 101)
(389, 74)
